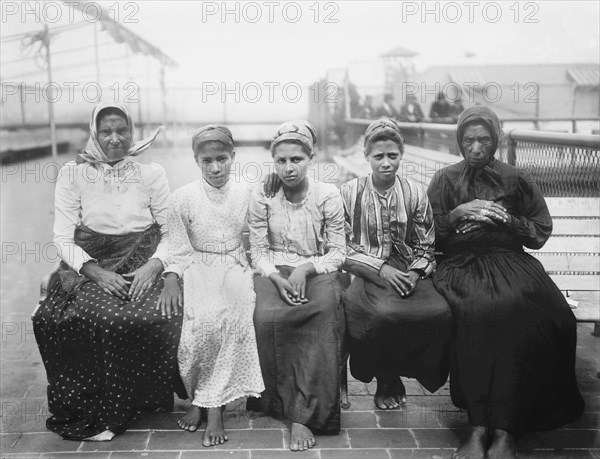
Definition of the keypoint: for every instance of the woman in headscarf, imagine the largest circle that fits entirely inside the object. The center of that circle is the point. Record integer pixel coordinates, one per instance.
(512, 361)
(106, 349)
(398, 324)
(297, 245)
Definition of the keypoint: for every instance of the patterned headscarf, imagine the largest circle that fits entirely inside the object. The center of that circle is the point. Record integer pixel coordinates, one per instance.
(300, 130)
(214, 132)
(92, 153)
(383, 126)
(482, 182)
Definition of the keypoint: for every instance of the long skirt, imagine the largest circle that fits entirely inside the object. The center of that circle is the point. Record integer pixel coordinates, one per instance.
(105, 357)
(218, 358)
(300, 350)
(397, 336)
(513, 351)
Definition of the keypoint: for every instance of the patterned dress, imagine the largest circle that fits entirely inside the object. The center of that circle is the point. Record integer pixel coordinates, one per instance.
(217, 355)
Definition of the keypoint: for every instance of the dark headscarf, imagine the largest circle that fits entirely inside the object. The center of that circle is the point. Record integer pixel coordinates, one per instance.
(483, 182)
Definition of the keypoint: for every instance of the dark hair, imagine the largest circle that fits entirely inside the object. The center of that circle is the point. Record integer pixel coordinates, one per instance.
(223, 145)
(107, 112)
(383, 135)
(307, 151)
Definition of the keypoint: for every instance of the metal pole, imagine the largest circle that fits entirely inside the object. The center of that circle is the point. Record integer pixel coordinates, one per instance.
(50, 98)
(96, 53)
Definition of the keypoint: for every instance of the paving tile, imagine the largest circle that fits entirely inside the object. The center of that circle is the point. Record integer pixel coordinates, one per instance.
(155, 421)
(23, 423)
(262, 421)
(453, 419)
(77, 455)
(586, 421)
(43, 442)
(215, 454)
(420, 453)
(357, 388)
(283, 454)
(439, 438)
(23, 456)
(127, 441)
(145, 454)
(238, 439)
(355, 453)
(549, 454)
(382, 438)
(361, 419)
(325, 441)
(405, 419)
(7, 441)
(561, 439)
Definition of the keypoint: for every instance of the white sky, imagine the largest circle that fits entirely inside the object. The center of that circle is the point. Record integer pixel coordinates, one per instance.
(233, 49)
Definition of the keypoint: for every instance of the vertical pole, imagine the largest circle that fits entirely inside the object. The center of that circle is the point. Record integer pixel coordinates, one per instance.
(537, 106)
(50, 97)
(22, 101)
(96, 58)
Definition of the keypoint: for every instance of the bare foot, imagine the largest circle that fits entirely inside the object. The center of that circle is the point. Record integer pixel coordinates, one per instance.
(192, 419)
(214, 434)
(390, 392)
(301, 438)
(474, 447)
(503, 446)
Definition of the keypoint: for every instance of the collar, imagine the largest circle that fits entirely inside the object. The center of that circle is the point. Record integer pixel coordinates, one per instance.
(387, 191)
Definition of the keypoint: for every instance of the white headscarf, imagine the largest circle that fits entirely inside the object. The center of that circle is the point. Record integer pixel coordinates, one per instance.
(92, 153)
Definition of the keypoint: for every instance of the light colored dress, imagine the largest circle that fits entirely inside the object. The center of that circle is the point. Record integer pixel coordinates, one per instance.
(218, 359)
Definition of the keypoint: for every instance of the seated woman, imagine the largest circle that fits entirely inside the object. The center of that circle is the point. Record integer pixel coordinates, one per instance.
(394, 326)
(512, 361)
(217, 354)
(297, 245)
(106, 349)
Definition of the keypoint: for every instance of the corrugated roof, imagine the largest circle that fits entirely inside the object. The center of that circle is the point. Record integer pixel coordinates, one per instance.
(585, 76)
(466, 75)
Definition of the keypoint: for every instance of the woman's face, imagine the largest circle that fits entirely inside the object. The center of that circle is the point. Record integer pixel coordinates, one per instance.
(291, 163)
(477, 145)
(384, 157)
(215, 161)
(114, 136)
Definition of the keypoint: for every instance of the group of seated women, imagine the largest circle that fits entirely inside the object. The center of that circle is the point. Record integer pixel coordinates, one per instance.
(155, 293)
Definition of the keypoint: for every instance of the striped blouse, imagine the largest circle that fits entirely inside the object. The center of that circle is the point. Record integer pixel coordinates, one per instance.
(399, 222)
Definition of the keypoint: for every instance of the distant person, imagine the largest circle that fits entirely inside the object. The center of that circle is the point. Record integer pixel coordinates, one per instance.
(411, 110)
(457, 108)
(387, 109)
(441, 111)
(367, 111)
(107, 351)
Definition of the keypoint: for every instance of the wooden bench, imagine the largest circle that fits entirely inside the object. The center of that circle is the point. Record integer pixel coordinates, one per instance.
(572, 254)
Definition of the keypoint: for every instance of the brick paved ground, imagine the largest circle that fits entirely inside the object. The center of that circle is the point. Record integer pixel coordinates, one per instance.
(429, 426)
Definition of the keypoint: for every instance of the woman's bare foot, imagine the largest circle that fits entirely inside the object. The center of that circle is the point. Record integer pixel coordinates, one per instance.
(301, 438)
(214, 434)
(474, 447)
(192, 419)
(503, 445)
(390, 392)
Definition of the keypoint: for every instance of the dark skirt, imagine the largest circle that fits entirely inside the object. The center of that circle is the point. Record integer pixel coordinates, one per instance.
(104, 357)
(300, 351)
(398, 336)
(512, 361)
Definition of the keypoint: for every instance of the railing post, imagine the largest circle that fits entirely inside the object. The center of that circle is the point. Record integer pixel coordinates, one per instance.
(421, 136)
(511, 149)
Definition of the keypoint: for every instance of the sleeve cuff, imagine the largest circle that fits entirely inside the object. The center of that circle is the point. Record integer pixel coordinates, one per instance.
(173, 269)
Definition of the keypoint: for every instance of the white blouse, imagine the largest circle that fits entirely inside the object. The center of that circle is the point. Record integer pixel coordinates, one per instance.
(125, 198)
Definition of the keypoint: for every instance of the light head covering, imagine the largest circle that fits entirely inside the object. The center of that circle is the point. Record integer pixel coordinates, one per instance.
(479, 114)
(93, 153)
(384, 126)
(212, 132)
(299, 130)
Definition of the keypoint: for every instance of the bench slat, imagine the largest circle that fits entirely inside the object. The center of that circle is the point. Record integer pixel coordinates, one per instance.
(577, 282)
(574, 207)
(579, 227)
(567, 262)
(588, 309)
(578, 244)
